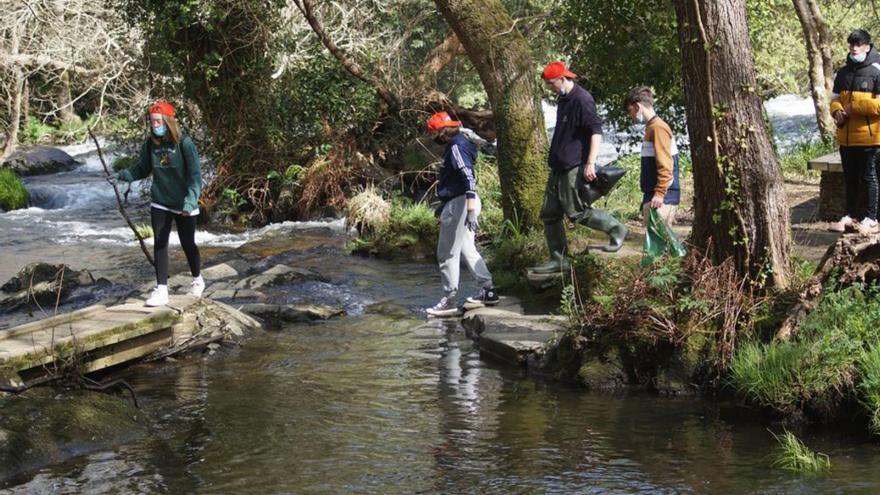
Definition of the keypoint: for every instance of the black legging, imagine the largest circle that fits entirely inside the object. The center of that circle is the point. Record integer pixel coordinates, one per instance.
(186, 231)
(858, 173)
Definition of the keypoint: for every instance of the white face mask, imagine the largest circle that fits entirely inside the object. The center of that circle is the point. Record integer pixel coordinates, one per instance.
(640, 118)
(858, 58)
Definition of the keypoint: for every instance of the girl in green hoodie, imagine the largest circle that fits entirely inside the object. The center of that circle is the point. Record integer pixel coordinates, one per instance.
(171, 157)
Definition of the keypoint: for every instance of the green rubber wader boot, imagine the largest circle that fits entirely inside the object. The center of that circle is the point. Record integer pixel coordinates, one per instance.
(599, 220)
(557, 244)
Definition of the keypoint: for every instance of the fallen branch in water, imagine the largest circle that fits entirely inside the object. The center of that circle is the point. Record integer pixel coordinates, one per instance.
(120, 202)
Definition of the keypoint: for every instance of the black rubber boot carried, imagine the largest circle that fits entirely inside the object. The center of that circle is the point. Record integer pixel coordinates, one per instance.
(599, 220)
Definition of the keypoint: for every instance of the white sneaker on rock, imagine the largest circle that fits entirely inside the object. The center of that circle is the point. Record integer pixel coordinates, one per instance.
(197, 287)
(159, 296)
(868, 226)
(840, 226)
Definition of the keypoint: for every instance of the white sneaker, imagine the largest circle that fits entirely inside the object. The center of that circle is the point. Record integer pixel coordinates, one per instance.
(841, 225)
(197, 287)
(159, 296)
(868, 226)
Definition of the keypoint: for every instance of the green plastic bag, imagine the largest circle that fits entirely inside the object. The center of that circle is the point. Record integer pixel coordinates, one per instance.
(660, 240)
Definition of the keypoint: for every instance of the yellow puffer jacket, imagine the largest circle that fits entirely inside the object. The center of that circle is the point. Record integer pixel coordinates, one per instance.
(857, 84)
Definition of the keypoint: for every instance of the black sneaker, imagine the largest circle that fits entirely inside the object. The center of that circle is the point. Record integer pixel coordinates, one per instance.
(486, 297)
(445, 308)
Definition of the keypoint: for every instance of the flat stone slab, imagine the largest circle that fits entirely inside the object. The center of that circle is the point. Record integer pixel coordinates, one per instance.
(826, 163)
(507, 334)
(292, 313)
(219, 272)
(279, 275)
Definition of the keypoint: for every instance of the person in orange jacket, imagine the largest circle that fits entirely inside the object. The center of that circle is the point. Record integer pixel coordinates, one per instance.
(855, 106)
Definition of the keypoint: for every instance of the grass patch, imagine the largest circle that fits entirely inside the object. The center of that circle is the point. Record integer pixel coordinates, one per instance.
(869, 384)
(769, 374)
(13, 194)
(794, 162)
(411, 230)
(367, 211)
(793, 455)
(835, 355)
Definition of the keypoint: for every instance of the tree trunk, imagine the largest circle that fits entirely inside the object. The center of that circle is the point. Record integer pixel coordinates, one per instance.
(17, 89)
(853, 259)
(740, 207)
(65, 104)
(501, 56)
(818, 44)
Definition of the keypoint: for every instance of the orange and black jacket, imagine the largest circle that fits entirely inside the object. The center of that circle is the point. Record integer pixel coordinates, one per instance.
(857, 84)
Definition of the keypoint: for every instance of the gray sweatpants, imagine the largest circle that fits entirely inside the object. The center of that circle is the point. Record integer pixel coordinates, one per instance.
(457, 242)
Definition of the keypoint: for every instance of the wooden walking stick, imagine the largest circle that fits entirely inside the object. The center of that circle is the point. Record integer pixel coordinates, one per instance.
(120, 203)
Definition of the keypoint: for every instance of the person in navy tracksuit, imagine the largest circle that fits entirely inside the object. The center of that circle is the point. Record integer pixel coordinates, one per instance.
(457, 190)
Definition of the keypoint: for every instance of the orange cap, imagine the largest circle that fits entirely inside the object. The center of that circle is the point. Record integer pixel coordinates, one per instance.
(162, 107)
(557, 69)
(440, 120)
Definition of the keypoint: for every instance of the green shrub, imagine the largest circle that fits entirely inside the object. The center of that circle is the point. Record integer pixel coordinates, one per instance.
(13, 194)
(144, 231)
(36, 131)
(793, 455)
(411, 230)
(123, 162)
(869, 384)
(833, 356)
(75, 130)
(794, 162)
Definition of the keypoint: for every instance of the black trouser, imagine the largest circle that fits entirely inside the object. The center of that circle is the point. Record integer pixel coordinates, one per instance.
(186, 231)
(859, 174)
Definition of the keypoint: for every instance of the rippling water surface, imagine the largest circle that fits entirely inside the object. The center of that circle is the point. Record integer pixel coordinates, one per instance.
(380, 401)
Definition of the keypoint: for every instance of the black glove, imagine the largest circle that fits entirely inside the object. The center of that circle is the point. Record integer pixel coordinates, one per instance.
(471, 221)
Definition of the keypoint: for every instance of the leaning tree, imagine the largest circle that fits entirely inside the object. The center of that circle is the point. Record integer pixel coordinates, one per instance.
(501, 56)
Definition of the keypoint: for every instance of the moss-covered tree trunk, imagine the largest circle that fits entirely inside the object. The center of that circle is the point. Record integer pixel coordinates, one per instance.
(501, 56)
(740, 207)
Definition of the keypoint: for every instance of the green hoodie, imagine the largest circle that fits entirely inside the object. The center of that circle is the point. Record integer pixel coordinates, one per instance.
(177, 175)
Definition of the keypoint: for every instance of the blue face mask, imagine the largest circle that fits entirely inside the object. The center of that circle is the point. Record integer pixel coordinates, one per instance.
(858, 58)
(159, 131)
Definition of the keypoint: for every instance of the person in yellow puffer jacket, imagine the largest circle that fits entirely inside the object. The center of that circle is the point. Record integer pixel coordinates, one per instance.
(855, 106)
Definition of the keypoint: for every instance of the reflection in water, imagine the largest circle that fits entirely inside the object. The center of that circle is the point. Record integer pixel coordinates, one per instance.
(378, 404)
(383, 402)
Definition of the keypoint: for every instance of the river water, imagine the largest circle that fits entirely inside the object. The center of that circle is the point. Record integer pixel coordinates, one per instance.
(378, 401)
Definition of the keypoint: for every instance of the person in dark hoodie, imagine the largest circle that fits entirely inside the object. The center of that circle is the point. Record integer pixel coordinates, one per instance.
(573, 151)
(171, 158)
(855, 106)
(457, 191)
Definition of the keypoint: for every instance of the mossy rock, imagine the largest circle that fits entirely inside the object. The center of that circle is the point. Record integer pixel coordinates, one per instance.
(603, 373)
(46, 426)
(13, 194)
